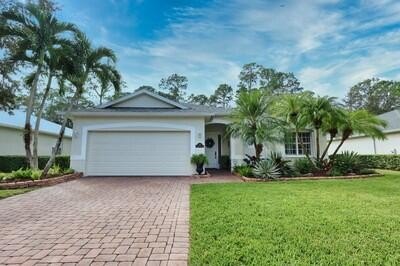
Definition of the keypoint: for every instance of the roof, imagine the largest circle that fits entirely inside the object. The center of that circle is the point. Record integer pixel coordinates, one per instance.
(392, 119)
(17, 120)
(179, 109)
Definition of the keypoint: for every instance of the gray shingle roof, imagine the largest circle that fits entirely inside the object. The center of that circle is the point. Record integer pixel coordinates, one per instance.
(392, 119)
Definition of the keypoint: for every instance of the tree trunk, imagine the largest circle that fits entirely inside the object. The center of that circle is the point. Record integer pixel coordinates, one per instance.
(327, 148)
(317, 140)
(27, 137)
(37, 123)
(258, 149)
(300, 140)
(61, 133)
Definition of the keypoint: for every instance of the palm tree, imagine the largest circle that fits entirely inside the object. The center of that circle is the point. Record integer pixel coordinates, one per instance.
(360, 122)
(330, 126)
(252, 122)
(314, 112)
(33, 30)
(82, 63)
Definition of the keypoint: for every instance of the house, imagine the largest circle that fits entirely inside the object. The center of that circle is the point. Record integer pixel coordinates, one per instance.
(366, 145)
(145, 134)
(12, 129)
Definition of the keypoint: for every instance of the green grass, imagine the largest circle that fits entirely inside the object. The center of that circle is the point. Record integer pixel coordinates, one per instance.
(5, 193)
(336, 222)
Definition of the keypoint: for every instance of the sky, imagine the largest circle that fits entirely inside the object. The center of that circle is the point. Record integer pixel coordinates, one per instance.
(329, 45)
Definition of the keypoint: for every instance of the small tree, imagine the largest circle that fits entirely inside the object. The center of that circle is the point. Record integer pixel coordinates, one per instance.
(175, 87)
(252, 122)
(222, 96)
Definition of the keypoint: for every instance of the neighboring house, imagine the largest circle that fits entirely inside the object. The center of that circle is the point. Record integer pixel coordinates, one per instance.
(12, 129)
(146, 134)
(367, 145)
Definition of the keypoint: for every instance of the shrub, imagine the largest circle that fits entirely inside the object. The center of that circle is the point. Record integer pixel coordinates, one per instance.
(390, 162)
(55, 170)
(283, 165)
(199, 159)
(367, 171)
(347, 162)
(251, 160)
(243, 170)
(266, 169)
(303, 166)
(225, 162)
(15, 162)
(25, 174)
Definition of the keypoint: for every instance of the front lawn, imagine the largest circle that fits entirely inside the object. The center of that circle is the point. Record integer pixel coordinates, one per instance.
(299, 222)
(5, 193)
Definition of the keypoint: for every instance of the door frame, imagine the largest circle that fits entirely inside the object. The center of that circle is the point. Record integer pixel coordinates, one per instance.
(217, 145)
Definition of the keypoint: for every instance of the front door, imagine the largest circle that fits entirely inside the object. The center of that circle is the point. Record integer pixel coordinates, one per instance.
(212, 150)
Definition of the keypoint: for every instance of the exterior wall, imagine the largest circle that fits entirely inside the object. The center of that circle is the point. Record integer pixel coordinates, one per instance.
(11, 143)
(84, 124)
(220, 129)
(239, 149)
(366, 145)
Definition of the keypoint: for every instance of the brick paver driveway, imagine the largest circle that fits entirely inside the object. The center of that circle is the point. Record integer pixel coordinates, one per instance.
(99, 221)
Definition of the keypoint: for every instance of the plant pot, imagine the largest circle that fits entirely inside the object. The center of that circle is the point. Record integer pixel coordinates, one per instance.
(199, 168)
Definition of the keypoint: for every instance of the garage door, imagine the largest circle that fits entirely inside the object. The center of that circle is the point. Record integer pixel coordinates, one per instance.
(138, 153)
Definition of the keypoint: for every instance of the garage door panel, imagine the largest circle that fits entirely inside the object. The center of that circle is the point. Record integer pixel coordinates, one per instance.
(138, 153)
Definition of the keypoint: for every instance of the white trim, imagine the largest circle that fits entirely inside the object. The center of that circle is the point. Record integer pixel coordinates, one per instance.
(132, 126)
(137, 114)
(46, 132)
(140, 92)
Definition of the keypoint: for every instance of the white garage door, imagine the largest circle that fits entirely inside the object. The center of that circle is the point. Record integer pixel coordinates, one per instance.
(138, 153)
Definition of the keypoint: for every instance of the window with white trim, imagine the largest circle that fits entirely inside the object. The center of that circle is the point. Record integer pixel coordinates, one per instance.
(298, 144)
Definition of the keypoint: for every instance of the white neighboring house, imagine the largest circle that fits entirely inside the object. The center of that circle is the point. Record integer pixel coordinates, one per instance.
(145, 134)
(11, 135)
(367, 145)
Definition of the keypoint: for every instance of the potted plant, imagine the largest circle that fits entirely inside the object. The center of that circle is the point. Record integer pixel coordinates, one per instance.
(199, 160)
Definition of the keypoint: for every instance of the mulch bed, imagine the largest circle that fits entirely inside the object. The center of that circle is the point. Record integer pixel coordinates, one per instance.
(40, 183)
(252, 179)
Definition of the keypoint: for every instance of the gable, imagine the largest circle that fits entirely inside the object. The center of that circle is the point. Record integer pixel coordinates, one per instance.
(143, 101)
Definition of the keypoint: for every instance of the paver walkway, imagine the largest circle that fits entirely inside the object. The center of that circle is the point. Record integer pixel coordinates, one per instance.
(100, 221)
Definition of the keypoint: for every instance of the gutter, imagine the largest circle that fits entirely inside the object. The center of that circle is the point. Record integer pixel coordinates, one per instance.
(136, 114)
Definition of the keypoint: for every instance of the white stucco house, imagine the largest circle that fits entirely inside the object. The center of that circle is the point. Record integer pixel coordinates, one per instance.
(145, 134)
(366, 145)
(12, 129)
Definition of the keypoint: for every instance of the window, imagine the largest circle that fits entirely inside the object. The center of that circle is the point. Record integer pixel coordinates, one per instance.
(293, 143)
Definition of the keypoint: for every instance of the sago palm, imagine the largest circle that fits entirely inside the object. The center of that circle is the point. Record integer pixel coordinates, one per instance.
(83, 63)
(33, 30)
(252, 122)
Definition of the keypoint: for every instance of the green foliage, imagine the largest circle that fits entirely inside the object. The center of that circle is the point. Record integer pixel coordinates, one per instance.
(283, 165)
(200, 99)
(266, 169)
(175, 87)
(255, 76)
(55, 170)
(303, 166)
(225, 162)
(252, 122)
(5, 193)
(374, 95)
(24, 174)
(222, 96)
(199, 159)
(390, 162)
(347, 162)
(243, 170)
(12, 163)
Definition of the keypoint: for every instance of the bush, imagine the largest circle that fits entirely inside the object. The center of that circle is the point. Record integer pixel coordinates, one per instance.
(24, 174)
(243, 170)
(225, 162)
(266, 169)
(199, 159)
(303, 166)
(347, 162)
(390, 162)
(283, 165)
(13, 163)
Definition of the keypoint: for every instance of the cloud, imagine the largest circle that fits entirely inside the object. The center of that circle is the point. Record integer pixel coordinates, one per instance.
(328, 44)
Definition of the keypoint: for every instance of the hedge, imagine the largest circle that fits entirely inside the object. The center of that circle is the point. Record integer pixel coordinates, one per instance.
(390, 162)
(14, 162)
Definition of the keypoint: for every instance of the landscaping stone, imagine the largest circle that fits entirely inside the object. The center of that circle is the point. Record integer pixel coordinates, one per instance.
(40, 183)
